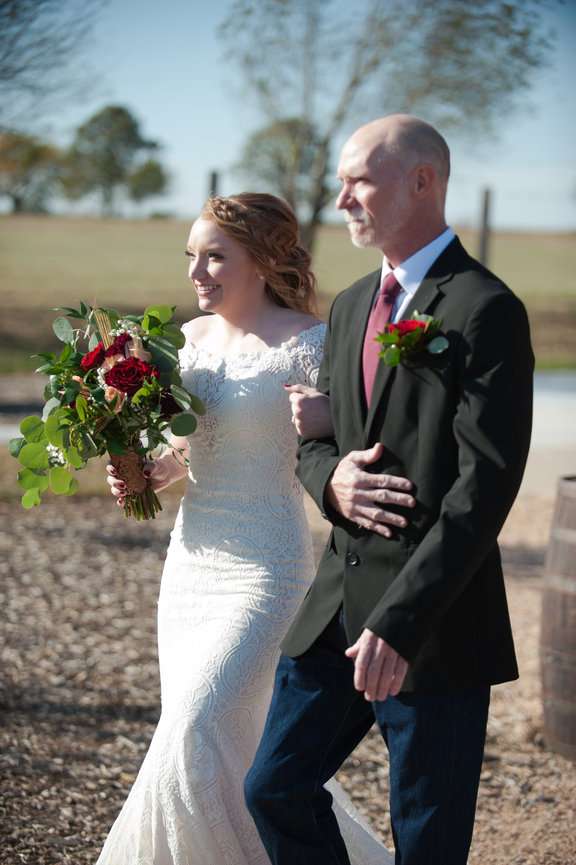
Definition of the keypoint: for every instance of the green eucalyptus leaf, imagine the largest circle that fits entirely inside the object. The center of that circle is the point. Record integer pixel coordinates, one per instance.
(32, 428)
(162, 313)
(165, 356)
(53, 429)
(63, 330)
(73, 487)
(30, 479)
(15, 446)
(31, 498)
(181, 396)
(74, 457)
(196, 404)
(391, 356)
(93, 341)
(49, 407)
(183, 424)
(60, 479)
(174, 334)
(34, 456)
(437, 345)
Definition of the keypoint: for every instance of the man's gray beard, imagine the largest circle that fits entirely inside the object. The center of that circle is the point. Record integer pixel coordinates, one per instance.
(364, 240)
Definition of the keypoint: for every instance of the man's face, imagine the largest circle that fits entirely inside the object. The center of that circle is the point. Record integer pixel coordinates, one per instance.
(375, 195)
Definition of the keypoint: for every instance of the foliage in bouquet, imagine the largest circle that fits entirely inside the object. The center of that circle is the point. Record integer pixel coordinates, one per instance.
(114, 388)
(405, 340)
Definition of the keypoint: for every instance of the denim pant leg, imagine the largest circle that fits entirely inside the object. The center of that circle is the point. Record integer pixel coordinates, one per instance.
(436, 744)
(315, 721)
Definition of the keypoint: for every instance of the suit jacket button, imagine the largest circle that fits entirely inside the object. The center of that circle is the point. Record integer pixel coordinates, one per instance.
(352, 559)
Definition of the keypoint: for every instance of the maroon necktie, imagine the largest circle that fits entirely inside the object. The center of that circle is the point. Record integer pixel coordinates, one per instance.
(379, 318)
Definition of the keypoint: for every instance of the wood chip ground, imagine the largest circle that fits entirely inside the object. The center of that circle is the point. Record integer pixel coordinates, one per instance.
(80, 691)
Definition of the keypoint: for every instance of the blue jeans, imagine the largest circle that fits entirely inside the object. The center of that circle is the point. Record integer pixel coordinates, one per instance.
(316, 719)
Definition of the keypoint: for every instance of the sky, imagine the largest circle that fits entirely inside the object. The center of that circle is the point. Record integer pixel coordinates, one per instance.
(164, 61)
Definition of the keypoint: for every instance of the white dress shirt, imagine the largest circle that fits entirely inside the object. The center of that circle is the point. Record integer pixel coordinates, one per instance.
(412, 271)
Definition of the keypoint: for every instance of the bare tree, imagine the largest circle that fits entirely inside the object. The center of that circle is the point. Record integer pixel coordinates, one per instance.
(461, 65)
(40, 42)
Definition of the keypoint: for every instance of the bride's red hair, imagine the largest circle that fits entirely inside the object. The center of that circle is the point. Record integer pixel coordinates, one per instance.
(267, 228)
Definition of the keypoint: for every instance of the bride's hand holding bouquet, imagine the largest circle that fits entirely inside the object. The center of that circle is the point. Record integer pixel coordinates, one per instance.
(120, 394)
(160, 472)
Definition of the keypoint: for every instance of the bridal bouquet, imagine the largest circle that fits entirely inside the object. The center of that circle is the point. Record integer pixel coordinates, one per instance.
(114, 388)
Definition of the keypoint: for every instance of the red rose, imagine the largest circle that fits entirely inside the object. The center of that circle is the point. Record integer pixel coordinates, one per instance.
(409, 325)
(128, 375)
(94, 358)
(117, 346)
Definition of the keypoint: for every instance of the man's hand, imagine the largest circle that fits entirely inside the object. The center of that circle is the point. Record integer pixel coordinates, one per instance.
(379, 670)
(359, 496)
(310, 411)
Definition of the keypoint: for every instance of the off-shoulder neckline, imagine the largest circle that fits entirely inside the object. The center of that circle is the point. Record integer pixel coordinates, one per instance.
(288, 343)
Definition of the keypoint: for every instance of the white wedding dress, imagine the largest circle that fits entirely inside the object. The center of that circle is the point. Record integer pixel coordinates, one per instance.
(239, 562)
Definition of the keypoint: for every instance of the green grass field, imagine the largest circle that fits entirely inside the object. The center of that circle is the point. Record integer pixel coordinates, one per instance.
(52, 261)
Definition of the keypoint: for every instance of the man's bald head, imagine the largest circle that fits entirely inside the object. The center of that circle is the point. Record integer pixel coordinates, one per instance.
(394, 173)
(412, 140)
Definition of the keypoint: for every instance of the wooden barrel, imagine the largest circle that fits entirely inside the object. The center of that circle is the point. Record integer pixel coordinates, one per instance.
(558, 627)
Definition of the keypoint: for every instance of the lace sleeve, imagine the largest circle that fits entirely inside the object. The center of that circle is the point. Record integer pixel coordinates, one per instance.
(307, 354)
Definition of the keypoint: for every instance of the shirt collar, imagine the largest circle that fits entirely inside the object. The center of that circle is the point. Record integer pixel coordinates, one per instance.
(412, 271)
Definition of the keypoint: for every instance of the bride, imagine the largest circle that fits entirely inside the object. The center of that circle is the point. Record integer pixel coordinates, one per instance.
(240, 556)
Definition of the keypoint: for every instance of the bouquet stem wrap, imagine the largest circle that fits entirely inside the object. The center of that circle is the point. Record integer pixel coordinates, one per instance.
(140, 501)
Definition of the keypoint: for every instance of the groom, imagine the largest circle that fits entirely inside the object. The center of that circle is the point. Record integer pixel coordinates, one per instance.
(406, 626)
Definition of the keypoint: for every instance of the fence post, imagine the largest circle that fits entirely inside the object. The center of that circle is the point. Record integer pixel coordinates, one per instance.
(213, 183)
(483, 250)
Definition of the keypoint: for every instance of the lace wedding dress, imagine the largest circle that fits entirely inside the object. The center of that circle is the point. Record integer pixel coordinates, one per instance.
(238, 564)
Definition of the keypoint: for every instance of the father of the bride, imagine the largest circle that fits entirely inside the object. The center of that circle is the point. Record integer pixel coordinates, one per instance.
(409, 626)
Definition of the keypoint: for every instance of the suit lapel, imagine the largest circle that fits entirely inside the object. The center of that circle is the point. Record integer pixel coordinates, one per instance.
(422, 301)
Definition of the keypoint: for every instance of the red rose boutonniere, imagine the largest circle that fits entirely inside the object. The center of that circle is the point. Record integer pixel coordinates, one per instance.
(405, 339)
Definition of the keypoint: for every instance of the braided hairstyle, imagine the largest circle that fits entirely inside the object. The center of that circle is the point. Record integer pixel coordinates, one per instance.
(267, 228)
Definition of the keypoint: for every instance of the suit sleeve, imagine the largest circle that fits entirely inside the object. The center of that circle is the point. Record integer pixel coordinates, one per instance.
(492, 427)
(317, 458)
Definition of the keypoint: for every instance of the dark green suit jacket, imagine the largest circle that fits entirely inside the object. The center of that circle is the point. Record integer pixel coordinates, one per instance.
(458, 426)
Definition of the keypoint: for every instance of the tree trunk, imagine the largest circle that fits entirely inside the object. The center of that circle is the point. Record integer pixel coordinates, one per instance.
(308, 234)
(108, 201)
(319, 194)
(17, 203)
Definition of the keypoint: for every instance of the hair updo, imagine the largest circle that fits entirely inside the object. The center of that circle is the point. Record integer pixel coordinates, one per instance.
(267, 228)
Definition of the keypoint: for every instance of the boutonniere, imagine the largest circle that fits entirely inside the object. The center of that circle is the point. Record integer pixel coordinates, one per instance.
(411, 336)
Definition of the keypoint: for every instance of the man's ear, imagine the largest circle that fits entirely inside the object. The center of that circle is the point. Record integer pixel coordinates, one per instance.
(424, 180)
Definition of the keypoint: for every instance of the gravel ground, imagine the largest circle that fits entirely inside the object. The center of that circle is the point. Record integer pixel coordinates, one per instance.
(80, 694)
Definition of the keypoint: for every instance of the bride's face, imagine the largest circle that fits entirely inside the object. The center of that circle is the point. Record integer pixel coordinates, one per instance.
(223, 274)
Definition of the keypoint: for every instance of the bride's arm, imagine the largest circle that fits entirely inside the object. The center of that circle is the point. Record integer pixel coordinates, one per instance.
(310, 412)
(163, 471)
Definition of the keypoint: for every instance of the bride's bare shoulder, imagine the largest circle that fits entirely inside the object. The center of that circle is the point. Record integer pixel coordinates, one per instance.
(296, 322)
(198, 328)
